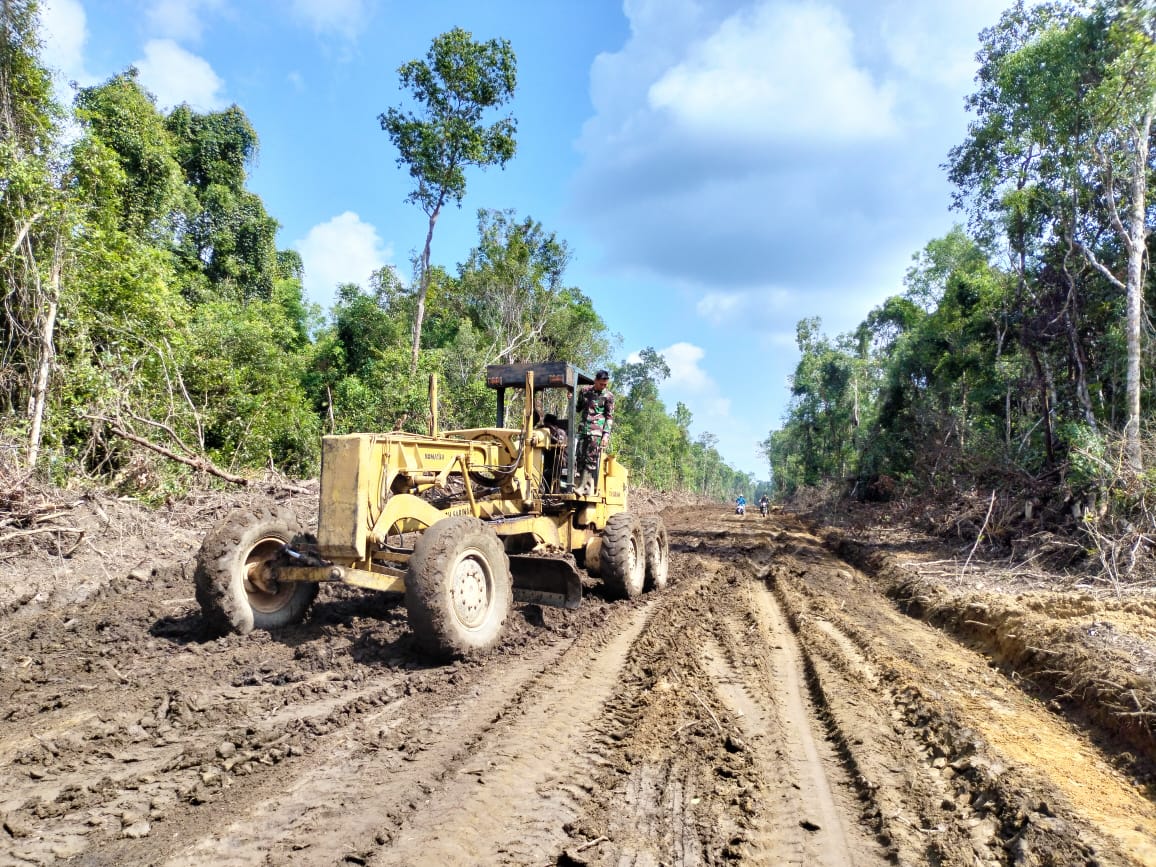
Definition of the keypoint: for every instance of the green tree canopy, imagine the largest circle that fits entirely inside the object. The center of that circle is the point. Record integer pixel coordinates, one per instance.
(459, 81)
(1059, 152)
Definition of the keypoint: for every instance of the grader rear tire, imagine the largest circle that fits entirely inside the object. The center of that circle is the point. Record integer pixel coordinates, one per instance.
(232, 584)
(623, 556)
(458, 589)
(657, 552)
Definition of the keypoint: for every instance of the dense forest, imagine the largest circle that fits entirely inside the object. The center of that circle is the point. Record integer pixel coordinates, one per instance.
(153, 335)
(1016, 359)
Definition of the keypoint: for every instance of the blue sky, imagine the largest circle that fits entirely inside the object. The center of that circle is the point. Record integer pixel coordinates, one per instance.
(720, 168)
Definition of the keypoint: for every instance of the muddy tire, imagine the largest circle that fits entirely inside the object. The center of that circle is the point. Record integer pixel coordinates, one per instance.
(623, 556)
(657, 552)
(230, 589)
(458, 589)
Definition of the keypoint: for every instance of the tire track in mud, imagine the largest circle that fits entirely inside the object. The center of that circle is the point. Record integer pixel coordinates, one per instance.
(959, 762)
(297, 807)
(951, 761)
(883, 754)
(810, 825)
(535, 763)
(652, 800)
(710, 768)
(373, 770)
(668, 730)
(378, 774)
(77, 769)
(194, 774)
(122, 771)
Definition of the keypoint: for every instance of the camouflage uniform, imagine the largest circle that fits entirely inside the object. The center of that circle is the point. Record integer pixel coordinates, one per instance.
(595, 418)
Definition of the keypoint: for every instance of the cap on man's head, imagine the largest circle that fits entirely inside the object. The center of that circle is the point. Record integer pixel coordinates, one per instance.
(602, 374)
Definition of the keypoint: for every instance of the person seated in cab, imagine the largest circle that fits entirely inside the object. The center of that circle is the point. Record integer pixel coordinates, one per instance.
(556, 427)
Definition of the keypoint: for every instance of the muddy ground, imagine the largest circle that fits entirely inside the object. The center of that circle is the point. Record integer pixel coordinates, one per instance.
(797, 695)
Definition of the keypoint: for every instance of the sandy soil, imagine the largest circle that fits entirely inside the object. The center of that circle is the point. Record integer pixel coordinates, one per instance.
(797, 695)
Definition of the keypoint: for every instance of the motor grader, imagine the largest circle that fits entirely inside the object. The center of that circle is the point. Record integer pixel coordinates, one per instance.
(463, 522)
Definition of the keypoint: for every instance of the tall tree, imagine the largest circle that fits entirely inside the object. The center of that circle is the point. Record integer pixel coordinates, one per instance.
(228, 241)
(148, 189)
(511, 288)
(456, 84)
(1059, 150)
(646, 436)
(32, 221)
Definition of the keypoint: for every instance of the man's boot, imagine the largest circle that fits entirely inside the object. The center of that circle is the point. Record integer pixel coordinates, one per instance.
(585, 485)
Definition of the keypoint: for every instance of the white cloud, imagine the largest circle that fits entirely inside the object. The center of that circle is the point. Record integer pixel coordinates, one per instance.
(175, 75)
(937, 42)
(756, 152)
(753, 307)
(772, 160)
(343, 250)
(179, 19)
(719, 306)
(777, 72)
(64, 29)
(344, 18)
(685, 373)
(689, 383)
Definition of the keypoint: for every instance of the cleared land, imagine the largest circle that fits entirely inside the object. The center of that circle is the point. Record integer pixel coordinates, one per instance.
(794, 697)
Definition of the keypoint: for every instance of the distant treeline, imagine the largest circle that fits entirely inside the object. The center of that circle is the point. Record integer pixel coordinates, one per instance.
(1017, 355)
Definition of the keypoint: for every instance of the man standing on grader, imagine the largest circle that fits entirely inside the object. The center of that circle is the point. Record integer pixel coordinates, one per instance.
(595, 418)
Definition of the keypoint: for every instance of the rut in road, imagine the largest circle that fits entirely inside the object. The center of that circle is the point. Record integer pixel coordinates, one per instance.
(669, 728)
(510, 800)
(645, 741)
(724, 759)
(961, 765)
(336, 804)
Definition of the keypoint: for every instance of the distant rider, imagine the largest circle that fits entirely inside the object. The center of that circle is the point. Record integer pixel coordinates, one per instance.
(740, 505)
(764, 505)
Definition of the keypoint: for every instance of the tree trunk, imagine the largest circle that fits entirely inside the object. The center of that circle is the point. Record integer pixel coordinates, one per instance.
(1007, 419)
(47, 355)
(1043, 377)
(1071, 315)
(423, 290)
(1137, 249)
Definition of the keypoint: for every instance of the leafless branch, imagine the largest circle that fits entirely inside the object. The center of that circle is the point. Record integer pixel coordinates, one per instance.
(197, 462)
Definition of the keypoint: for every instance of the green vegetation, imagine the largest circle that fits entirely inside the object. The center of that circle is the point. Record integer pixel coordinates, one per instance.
(147, 311)
(1014, 358)
(457, 82)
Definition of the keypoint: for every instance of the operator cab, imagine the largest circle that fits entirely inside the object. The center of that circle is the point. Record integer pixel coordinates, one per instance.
(555, 402)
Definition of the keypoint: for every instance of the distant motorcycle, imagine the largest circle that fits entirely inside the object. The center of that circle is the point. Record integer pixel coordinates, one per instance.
(764, 508)
(740, 509)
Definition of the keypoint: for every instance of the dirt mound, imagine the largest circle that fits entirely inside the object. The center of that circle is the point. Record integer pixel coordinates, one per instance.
(1091, 653)
(59, 547)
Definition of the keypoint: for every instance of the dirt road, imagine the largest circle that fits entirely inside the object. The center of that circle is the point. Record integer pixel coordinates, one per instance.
(772, 706)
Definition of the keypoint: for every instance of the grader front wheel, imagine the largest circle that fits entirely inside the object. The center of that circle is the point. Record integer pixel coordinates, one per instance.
(233, 581)
(458, 589)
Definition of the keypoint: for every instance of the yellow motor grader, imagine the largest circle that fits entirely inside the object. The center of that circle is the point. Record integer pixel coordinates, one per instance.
(463, 522)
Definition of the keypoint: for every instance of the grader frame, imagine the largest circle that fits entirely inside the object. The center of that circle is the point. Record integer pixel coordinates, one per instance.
(392, 505)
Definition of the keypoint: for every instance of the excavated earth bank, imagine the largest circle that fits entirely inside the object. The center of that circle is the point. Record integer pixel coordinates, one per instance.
(795, 696)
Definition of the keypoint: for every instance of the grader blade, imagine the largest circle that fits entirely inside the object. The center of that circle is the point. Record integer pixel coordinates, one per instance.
(546, 580)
